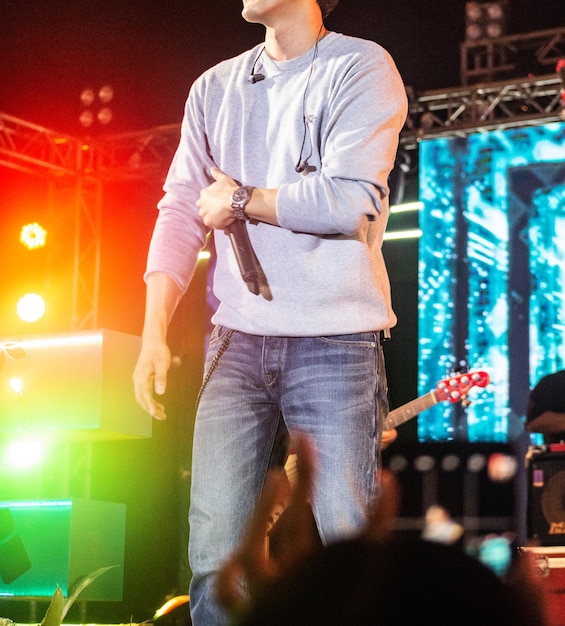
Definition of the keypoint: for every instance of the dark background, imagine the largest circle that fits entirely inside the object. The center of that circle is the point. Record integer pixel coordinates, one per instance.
(150, 52)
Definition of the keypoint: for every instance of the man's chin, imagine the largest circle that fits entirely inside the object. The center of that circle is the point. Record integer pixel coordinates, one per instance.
(249, 16)
(251, 12)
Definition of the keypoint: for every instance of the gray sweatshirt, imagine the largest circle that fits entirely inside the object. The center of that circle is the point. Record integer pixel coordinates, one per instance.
(343, 104)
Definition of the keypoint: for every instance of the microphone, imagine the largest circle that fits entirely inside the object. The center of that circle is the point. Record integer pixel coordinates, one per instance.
(255, 78)
(249, 265)
(304, 167)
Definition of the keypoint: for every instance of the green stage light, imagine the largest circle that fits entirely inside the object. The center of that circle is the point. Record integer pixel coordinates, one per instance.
(24, 453)
(413, 233)
(72, 385)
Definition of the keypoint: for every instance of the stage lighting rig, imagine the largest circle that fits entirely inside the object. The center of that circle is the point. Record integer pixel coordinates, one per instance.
(31, 307)
(95, 106)
(33, 236)
(485, 20)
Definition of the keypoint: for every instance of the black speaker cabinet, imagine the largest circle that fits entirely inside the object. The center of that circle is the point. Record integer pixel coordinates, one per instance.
(546, 498)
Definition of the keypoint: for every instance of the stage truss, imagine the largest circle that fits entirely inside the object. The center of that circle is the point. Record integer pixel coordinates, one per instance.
(464, 110)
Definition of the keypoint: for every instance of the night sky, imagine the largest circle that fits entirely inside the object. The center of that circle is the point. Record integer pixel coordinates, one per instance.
(151, 51)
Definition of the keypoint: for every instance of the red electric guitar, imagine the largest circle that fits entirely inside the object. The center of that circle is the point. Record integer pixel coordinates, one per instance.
(454, 389)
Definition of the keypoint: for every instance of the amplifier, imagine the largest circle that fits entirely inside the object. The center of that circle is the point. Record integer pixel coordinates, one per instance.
(546, 498)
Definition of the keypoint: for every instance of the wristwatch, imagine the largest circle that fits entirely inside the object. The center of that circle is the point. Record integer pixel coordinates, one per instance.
(239, 199)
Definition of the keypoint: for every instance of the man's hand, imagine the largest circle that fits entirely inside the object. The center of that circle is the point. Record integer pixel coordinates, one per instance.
(150, 376)
(214, 202)
(388, 437)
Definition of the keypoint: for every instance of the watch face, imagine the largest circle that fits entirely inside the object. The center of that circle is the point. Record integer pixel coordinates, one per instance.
(240, 195)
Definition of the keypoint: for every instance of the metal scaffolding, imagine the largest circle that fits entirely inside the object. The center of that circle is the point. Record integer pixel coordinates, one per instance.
(33, 149)
(501, 104)
(75, 188)
(137, 155)
(487, 60)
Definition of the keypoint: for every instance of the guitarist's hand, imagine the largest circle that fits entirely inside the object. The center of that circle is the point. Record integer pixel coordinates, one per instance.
(388, 437)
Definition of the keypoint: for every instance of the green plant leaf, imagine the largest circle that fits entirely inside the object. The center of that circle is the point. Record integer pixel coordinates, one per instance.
(54, 614)
(80, 585)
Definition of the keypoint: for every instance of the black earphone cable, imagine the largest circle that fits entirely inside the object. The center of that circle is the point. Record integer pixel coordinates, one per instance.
(302, 164)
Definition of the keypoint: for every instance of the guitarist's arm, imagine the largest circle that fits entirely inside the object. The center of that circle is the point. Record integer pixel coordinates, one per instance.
(388, 437)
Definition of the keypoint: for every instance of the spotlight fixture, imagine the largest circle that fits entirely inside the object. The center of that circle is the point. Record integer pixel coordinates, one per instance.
(95, 106)
(31, 307)
(104, 115)
(105, 94)
(86, 118)
(485, 20)
(33, 236)
(87, 97)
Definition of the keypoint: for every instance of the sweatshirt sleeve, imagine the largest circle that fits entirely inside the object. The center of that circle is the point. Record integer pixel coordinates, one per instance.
(179, 232)
(367, 108)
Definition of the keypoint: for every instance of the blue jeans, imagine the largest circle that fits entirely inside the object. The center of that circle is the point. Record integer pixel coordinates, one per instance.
(332, 389)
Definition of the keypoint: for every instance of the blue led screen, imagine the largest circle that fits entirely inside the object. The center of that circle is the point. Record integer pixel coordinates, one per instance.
(491, 274)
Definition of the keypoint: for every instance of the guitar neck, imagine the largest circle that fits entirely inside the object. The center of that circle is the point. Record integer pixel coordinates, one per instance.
(411, 409)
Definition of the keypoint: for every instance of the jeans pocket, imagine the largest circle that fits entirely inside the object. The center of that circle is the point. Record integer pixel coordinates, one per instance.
(217, 335)
(363, 340)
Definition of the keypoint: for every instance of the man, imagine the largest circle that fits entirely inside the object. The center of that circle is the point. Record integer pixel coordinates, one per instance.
(545, 412)
(294, 141)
